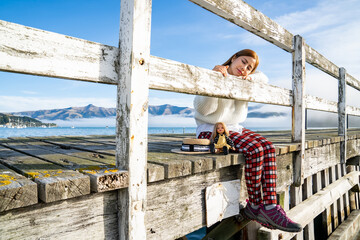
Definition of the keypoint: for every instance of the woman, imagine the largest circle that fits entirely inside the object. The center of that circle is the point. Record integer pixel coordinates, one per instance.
(260, 159)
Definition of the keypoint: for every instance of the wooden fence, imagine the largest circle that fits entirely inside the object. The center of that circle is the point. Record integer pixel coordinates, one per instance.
(32, 51)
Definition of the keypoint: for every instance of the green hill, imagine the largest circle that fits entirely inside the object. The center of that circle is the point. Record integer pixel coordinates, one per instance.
(6, 119)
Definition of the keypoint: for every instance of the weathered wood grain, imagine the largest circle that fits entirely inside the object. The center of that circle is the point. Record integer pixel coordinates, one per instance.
(34, 51)
(298, 107)
(90, 217)
(342, 115)
(187, 196)
(54, 182)
(16, 190)
(103, 176)
(173, 76)
(349, 229)
(304, 212)
(67, 143)
(132, 114)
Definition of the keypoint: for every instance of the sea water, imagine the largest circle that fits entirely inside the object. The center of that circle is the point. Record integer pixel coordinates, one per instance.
(82, 131)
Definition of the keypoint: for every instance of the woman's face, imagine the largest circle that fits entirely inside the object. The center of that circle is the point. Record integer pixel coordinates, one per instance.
(241, 66)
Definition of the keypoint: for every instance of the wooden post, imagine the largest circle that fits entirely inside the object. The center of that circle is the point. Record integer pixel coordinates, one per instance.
(326, 215)
(342, 200)
(295, 199)
(334, 206)
(132, 114)
(309, 233)
(298, 108)
(342, 114)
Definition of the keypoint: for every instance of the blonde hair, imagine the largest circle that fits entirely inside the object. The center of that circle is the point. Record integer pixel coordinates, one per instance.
(214, 133)
(244, 52)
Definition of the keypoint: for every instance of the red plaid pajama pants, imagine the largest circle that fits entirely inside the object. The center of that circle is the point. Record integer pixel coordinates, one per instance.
(260, 164)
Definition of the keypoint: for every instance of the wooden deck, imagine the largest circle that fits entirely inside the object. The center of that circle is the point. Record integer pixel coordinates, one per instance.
(75, 172)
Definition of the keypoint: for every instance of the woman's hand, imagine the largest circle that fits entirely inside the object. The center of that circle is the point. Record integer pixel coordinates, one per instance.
(221, 69)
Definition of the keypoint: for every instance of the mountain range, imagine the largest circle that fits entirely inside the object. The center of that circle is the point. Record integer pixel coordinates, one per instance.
(92, 111)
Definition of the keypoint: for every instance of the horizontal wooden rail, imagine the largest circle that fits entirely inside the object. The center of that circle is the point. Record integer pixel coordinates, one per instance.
(38, 52)
(247, 17)
(307, 210)
(173, 76)
(34, 51)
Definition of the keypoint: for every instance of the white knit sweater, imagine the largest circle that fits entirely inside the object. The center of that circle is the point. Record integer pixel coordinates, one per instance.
(210, 110)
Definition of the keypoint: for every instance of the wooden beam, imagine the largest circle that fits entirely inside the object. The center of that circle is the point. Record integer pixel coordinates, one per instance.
(168, 75)
(342, 123)
(16, 190)
(38, 52)
(298, 107)
(247, 17)
(54, 182)
(103, 174)
(90, 217)
(132, 114)
(307, 210)
(349, 228)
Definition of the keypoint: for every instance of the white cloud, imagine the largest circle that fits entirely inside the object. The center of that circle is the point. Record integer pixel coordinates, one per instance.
(154, 121)
(171, 121)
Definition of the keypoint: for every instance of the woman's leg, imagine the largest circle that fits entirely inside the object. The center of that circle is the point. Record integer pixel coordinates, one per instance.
(268, 179)
(254, 157)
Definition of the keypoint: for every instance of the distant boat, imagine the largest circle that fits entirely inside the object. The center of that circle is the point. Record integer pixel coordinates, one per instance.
(72, 127)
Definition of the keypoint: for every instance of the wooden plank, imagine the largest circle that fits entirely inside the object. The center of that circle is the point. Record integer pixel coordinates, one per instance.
(334, 206)
(247, 17)
(320, 104)
(155, 172)
(174, 76)
(67, 143)
(90, 217)
(307, 210)
(186, 195)
(298, 108)
(15, 190)
(309, 233)
(227, 228)
(348, 229)
(326, 214)
(103, 176)
(295, 199)
(34, 51)
(342, 121)
(174, 165)
(54, 182)
(132, 114)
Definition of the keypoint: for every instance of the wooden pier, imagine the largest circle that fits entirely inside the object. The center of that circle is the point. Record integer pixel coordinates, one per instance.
(130, 186)
(66, 187)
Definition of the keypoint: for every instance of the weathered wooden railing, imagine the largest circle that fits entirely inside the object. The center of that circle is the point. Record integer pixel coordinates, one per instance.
(134, 71)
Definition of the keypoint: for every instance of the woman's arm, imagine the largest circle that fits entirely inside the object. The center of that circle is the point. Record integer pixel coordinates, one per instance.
(205, 105)
(259, 77)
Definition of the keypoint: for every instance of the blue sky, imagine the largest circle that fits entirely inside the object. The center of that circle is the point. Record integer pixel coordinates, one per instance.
(185, 32)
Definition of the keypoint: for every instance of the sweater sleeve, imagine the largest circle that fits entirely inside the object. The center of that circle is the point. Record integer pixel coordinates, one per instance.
(205, 105)
(259, 77)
